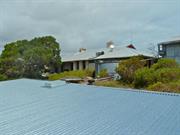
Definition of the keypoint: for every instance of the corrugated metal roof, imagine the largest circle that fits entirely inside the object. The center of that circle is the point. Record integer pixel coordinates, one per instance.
(26, 107)
(86, 55)
(122, 52)
(118, 52)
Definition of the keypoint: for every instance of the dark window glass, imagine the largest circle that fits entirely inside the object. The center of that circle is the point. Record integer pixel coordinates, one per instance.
(77, 64)
(71, 66)
(84, 65)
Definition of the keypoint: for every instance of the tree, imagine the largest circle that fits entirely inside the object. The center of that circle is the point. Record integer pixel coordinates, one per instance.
(127, 68)
(30, 59)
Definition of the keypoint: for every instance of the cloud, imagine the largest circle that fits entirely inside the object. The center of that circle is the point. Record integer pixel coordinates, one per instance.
(90, 24)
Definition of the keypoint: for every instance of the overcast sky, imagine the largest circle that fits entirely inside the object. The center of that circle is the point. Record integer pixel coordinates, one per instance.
(90, 23)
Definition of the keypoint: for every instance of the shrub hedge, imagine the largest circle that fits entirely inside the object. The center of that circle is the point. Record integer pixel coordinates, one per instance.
(103, 73)
(165, 63)
(3, 77)
(166, 87)
(147, 76)
(162, 76)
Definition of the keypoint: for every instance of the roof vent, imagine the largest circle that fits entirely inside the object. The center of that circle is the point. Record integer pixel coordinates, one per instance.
(48, 85)
(54, 84)
(99, 53)
(82, 49)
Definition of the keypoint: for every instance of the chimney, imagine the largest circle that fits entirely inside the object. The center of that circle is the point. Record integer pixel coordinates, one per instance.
(109, 44)
(82, 50)
(131, 46)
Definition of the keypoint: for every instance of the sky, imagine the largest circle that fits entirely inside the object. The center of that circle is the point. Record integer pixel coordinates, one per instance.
(90, 23)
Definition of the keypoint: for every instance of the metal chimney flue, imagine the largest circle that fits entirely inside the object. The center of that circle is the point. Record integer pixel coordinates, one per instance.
(110, 45)
(82, 50)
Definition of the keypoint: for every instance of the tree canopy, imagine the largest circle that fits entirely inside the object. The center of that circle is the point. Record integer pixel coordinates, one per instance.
(127, 68)
(30, 59)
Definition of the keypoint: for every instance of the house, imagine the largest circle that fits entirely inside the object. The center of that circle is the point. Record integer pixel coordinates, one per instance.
(104, 58)
(27, 107)
(170, 49)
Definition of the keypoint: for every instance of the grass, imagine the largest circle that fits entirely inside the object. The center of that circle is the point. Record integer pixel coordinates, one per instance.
(113, 83)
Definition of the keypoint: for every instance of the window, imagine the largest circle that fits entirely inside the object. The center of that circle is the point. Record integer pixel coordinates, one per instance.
(77, 65)
(170, 51)
(71, 66)
(177, 51)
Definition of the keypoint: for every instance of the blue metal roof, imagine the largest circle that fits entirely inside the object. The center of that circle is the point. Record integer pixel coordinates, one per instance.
(27, 107)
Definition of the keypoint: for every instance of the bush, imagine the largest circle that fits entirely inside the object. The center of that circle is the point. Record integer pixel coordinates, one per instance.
(159, 86)
(77, 73)
(165, 63)
(143, 77)
(103, 73)
(166, 75)
(90, 72)
(127, 68)
(166, 87)
(3, 77)
(112, 83)
(164, 71)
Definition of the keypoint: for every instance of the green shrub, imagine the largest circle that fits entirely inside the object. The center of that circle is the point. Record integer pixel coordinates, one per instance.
(3, 77)
(166, 87)
(127, 68)
(77, 73)
(103, 73)
(159, 86)
(143, 77)
(148, 76)
(89, 72)
(164, 71)
(165, 63)
(166, 75)
(112, 83)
